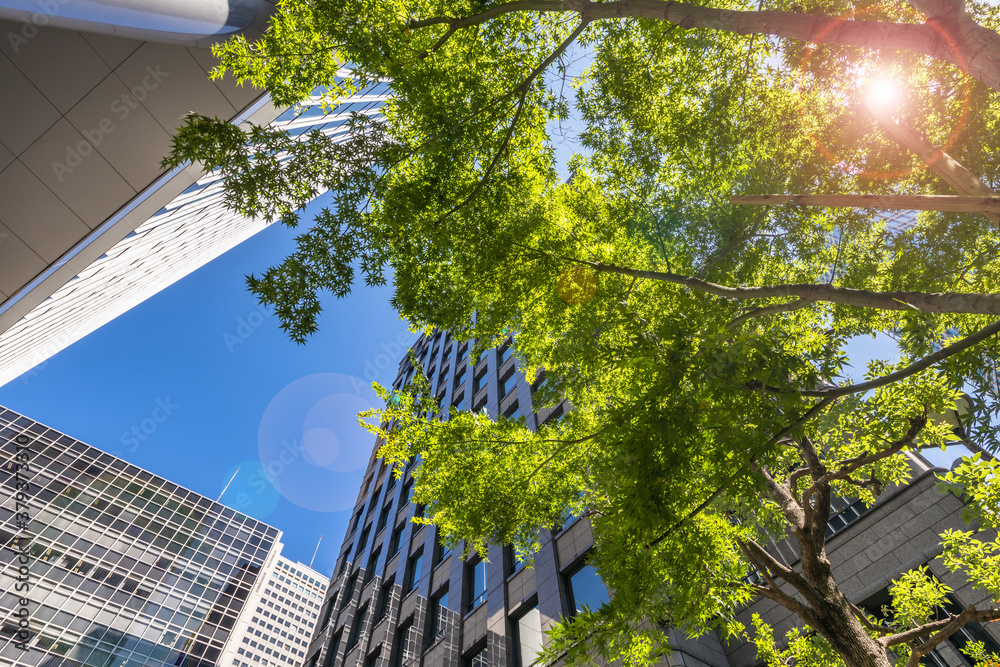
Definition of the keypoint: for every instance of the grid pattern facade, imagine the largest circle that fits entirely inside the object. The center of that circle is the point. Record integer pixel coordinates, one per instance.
(398, 598)
(276, 626)
(187, 233)
(123, 567)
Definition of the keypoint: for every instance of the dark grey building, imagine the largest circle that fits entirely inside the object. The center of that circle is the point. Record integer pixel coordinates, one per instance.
(105, 564)
(398, 599)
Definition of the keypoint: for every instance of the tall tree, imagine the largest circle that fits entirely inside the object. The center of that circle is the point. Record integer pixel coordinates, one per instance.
(701, 344)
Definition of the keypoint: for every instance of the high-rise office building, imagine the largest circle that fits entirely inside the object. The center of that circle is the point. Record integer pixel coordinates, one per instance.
(90, 223)
(277, 623)
(92, 94)
(103, 563)
(397, 598)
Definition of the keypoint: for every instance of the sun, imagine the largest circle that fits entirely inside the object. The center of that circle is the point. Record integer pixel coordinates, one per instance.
(882, 93)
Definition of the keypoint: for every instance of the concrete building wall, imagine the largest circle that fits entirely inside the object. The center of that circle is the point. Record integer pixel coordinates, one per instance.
(900, 532)
(279, 618)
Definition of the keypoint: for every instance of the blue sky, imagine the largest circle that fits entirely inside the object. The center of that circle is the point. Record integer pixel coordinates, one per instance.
(229, 389)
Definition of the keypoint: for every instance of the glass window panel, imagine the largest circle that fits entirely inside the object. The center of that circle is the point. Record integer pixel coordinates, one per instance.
(478, 659)
(586, 588)
(476, 577)
(527, 638)
(413, 571)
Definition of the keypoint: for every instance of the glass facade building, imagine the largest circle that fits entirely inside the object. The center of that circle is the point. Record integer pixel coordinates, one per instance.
(107, 565)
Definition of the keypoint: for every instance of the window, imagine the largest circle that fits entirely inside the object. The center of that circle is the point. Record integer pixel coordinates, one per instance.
(438, 620)
(359, 622)
(374, 502)
(505, 354)
(843, 512)
(512, 411)
(481, 404)
(344, 561)
(372, 564)
(477, 659)
(407, 493)
(413, 571)
(399, 647)
(459, 376)
(508, 384)
(585, 589)
(357, 519)
(383, 518)
(513, 564)
(385, 599)
(397, 537)
(527, 637)
(363, 540)
(479, 381)
(349, 589)
(372, 659)
(555, 416)
(331, 605)
(442, 550)
(475, 577)
(331, 654)
(419, 512)
(458, 401)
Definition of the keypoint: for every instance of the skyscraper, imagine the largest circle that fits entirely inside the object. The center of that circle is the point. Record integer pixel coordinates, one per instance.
(278, 621)
(93, 93)
(90, 224)
(398, 598)
(104, 563)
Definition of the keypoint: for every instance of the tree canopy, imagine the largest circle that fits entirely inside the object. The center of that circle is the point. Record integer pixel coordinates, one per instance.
(702, 344)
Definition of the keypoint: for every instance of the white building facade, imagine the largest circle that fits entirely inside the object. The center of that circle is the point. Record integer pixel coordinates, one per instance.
(277, 623)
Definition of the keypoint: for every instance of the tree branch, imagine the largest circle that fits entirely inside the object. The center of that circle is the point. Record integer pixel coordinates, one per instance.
(927, 302)
(988, 331)
(940, 630)
(809, 414)
(759, 556)
(848, 466)
(764, 311)
(813, 466)
(524, 87)
(863, 617)
(795, 513)
(959, 41)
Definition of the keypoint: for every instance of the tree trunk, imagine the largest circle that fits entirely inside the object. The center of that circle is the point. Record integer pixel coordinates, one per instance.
(846, 634)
